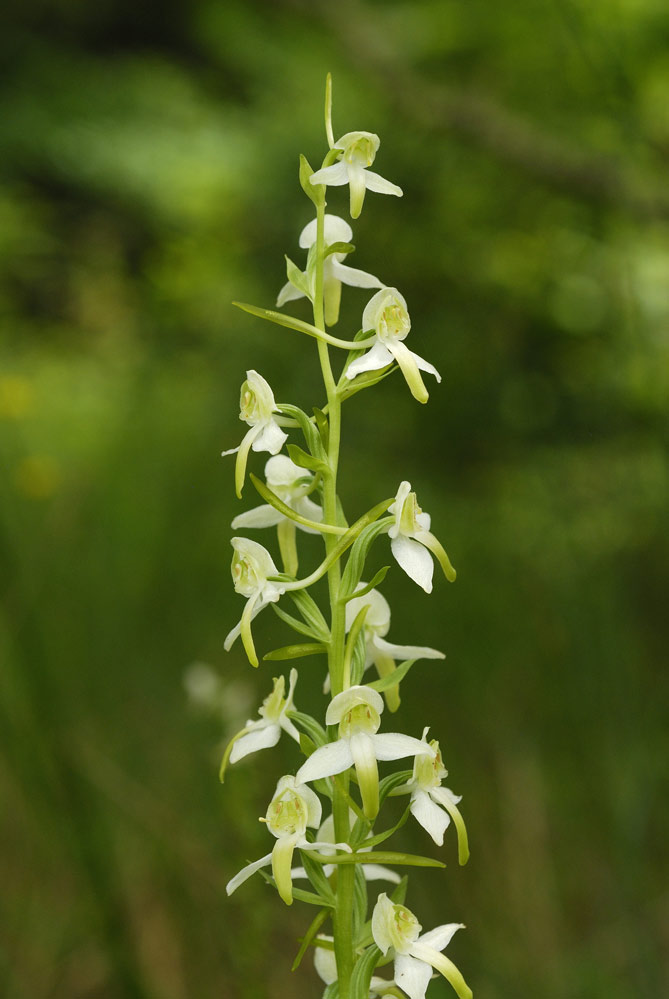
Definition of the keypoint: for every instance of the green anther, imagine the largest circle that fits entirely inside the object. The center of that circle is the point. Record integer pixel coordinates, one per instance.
(404, 928)
(287, 815)
(430, 771)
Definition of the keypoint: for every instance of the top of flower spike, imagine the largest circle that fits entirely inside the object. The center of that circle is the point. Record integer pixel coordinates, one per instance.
(356, 152)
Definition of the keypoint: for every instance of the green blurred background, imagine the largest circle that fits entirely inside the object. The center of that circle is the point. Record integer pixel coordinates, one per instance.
(148, 178)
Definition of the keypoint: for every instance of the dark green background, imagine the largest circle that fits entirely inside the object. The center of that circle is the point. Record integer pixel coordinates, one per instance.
(149, 177)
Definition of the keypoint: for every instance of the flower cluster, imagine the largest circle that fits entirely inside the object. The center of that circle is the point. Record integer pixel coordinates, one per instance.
(343, 746)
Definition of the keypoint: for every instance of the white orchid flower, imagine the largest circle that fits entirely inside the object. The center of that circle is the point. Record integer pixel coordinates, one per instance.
(265, 732)
(378, 652)
(357, 151)
(256, 407)
(291, 484)
(293, 808)
(325, 964)
(371, 872)
(415, 954)
(335, 273)
(432, 805)
(357, 711)
(387, 315)
(412, 542)
(251, 566)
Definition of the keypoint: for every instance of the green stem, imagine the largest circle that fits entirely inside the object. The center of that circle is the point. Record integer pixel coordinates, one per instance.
(343, 913)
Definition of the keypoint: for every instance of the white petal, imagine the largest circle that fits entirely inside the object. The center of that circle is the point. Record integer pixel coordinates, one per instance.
(425, 365)
(406, 651)
(382, 918)
(325, 964)
(287, 725)
(430, 816)
(415, 560)
(357, 176)
(246, 873)
(412, 975)
(326, 761)
(445, 796)
(288, 294)
(440, 936)
(232, 636)
(375, 872)
(264, 736)
(335, 175)
(395, 746)
(259, 516)
(380, 185)
(335, 230)
(353, 277)
(233, 450)
(271, 438)
(377, 357)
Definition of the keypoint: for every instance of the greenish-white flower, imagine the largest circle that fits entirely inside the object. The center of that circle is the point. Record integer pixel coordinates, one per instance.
(256, 408)
(356, 153)
(291, 484)
(394, 926)
(411, 541)
(325, 964)
(265, 732)
(252, 565)
(293, 809)
(357, 711)
(386, 314)
(335, 272)
(371, 872)
(432, 805)
(378, 652)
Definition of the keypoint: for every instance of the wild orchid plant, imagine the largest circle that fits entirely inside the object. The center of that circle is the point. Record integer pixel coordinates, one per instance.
(339, 770)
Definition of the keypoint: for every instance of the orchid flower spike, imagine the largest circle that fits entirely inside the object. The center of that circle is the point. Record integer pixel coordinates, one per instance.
(291, 484)
(256, 406)
(415, 954)
(432, 805)
(357, 711)
(293, 808)
(387, 315)
(371, 872)
(264, 732)
(325, 964)
(251, 566)
(411, 538)
(382, 654)
(335, 273)
(357, 151)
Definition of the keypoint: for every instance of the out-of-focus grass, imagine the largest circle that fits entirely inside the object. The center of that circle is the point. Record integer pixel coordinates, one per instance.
(149, 179)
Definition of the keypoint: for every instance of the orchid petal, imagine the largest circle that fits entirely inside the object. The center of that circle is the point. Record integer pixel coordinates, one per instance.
(246, 873)
(447, 800)
(282, 858)
(334, 176)
(378, 356)
(430, 816)
(326, 761)
(435, 546)
(425, 365)
(357, 181)
(407, 651)
(288, 293)
(331, 299)
(376, 872)
(353, 277)
(263, 736)
(444, 965)
(406, 360)
(271, 438)
(259, 516)
(380, 185)
(440, 936)
(395, 746)
(414, 559)
(412, 975)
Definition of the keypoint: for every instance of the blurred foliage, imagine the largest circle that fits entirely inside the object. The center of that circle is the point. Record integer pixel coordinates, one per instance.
(148, 178)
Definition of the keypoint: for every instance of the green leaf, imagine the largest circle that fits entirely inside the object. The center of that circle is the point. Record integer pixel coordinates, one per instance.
(358, 661)
(363, 971)
(399, 893)
(331, 991)
(317, 878)
(347, 388)
(359, 901)
(298, 626)
(354, 634)
(338, 248)
(270, 497)
(392, 781)
(315, 192)
(311, 613)
(310, 726)
(392, 679)
(382, 837)
(295, 651)
(358, 556)
(376, 580)
(307, 745)
(379, 857)
(307, 427)
(323, 427)
(298, 279)
(309, 936)
(291, 323)
(304, 460)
